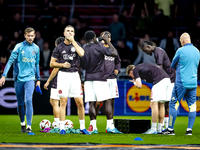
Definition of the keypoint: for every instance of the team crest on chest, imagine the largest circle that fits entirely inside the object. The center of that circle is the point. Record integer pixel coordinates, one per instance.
(73, 49)
(59, 91)
(33, 52)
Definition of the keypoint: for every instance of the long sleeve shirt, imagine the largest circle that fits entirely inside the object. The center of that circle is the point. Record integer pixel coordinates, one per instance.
(25, 57)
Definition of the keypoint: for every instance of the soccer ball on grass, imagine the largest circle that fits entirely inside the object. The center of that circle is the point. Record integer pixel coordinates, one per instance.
(45, 124)
(68, 124)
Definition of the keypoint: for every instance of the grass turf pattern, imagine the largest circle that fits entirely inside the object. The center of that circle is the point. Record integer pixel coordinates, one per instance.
(10, 132)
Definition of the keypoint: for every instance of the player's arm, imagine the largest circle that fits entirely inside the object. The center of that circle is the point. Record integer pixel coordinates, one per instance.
(112, 48)
(78, 48)
(117, 65)
(37, 66)
(12, 58)
(175, 60)
(146, 9)
(132, 9)
(137, 82)
(53, 74)
(54, 64)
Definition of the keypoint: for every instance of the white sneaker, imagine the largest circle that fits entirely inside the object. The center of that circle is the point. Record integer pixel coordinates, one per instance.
(159, 132)
(150, 131)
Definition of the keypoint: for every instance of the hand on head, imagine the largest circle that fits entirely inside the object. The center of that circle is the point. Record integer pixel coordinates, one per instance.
(105, 38)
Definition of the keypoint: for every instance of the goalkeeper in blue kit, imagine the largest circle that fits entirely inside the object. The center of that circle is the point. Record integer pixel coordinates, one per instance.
(25, 59)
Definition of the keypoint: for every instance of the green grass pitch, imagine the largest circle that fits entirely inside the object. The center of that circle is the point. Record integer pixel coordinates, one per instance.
(10, 132)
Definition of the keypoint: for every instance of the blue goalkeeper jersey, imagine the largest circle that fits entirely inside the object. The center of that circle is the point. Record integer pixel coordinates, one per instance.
(25, 57)
(186, 61)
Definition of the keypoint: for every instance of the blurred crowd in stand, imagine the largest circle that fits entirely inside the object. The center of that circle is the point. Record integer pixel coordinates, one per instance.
(158, 21)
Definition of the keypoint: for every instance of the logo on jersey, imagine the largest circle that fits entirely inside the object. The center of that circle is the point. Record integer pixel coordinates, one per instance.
(184, 103)
(109, 58)
(22, 52)
(33, 52)
(73, 49)
(63, 52)
(173, 98)
(25, 59)
(139, 100)
(68, 56)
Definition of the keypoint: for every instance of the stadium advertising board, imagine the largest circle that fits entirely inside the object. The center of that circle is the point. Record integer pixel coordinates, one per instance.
(136, 102)
(131, 101)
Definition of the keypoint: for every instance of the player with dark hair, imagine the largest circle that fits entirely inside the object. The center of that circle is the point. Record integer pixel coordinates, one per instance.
(161, 59)
(160, 91)
(54, 98)
(68, 54)
(112, 68)
(25, 56)
(96, 86)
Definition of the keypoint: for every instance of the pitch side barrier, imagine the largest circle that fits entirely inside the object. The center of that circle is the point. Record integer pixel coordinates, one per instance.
(131, 101)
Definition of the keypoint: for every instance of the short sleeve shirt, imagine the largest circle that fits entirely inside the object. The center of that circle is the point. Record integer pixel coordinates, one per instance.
(67, 53)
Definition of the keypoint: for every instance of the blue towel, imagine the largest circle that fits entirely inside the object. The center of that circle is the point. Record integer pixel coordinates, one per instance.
(38, 90)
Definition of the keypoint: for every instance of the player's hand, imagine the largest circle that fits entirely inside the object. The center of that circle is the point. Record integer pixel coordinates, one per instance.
(46, 85)
(38, 83)
(82, 85)
(2, 81)
(105, 38)
(66, 65)
(133, 81)
(70, 37)
(116, 72)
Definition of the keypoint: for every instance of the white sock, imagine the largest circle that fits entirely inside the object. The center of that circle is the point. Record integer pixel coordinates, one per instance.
(90, 122)
(160, 125)
(57, 120)
(166, 122)
(94, 124)
(153, 126)
(62, 125)
(23, 123)
(28, 126)
(163, 127)
(110, 124)
(170, 129)
(188, 129)
(82, 124)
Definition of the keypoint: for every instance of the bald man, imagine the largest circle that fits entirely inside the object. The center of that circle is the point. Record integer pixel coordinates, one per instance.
(185, 61)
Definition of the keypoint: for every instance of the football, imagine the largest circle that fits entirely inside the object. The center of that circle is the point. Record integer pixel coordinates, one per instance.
(54, 125)
(45, 124)
(68, 124)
